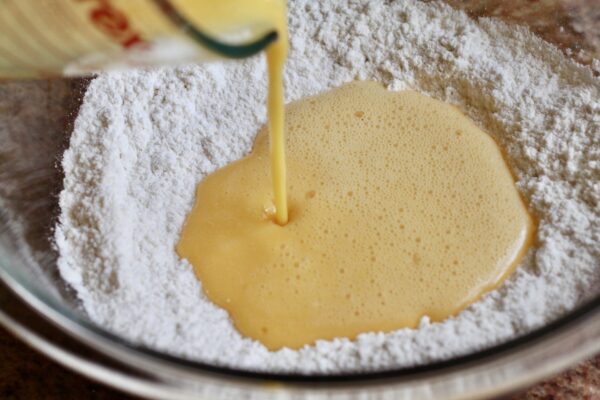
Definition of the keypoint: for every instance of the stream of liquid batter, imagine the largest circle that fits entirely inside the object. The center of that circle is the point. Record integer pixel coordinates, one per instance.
(219, 18)
(399, 207)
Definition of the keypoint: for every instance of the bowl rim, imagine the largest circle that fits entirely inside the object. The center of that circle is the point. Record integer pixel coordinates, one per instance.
(113, 345)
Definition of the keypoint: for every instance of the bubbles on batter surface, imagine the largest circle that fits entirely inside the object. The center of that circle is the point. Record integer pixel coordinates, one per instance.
(399, 207)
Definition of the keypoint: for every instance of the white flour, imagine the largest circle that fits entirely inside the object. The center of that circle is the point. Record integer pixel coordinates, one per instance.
(143, 140)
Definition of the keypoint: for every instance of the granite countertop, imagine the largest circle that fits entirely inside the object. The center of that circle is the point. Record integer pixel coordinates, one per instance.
(573, 25)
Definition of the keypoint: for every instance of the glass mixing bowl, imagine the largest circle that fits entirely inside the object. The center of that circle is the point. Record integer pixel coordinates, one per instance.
(36, 119)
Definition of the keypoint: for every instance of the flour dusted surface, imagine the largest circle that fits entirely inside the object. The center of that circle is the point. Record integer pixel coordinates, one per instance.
(144, 139)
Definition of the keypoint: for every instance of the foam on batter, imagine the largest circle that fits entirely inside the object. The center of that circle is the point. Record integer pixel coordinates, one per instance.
(399, 207)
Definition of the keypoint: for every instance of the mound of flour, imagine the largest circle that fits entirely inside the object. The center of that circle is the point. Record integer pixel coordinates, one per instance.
(144, 139)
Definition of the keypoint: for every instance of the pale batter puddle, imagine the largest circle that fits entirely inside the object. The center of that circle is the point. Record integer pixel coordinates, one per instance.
(399, 207)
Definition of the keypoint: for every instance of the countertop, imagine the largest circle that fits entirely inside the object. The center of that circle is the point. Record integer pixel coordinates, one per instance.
(573, 25)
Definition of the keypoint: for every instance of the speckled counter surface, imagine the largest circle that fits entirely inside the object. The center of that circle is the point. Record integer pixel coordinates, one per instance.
(573, 25)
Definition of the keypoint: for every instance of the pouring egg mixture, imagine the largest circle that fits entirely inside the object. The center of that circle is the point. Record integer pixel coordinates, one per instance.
(398, 207)
(381, 219)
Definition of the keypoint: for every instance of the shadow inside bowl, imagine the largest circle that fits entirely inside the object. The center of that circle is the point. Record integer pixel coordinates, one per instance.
(36, 121)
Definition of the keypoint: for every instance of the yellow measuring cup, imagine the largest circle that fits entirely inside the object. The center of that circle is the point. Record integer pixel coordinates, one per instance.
(72, 37)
